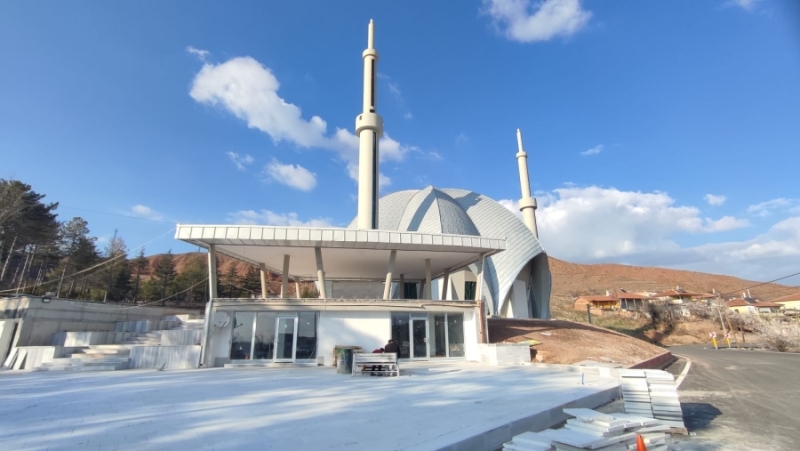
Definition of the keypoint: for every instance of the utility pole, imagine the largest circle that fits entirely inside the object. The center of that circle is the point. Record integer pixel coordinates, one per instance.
(589, 312)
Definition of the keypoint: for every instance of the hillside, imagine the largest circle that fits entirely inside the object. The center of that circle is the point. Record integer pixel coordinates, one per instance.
(572, 279)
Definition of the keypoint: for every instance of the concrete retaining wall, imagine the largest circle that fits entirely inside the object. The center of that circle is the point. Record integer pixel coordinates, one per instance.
(656, 363)
(40, 320)
(89, 338)
(181, 337)
(36, 355)
(165, 357)
(504, 354)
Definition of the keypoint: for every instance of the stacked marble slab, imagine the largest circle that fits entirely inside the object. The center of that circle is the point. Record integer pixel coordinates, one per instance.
(652, 393)
(591, 430)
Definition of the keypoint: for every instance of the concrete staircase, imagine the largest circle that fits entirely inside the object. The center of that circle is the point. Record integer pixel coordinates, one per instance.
(108, 357)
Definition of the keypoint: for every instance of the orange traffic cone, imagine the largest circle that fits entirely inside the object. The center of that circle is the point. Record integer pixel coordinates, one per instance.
(640, 443)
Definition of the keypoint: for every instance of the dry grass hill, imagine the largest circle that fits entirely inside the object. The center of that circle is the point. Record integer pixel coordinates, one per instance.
(573, 279)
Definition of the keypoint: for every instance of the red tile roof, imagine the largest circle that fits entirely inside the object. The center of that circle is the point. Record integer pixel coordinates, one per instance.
(791, 297)
(627, 295)
(597, 298)
(743, 303)
(680, 293)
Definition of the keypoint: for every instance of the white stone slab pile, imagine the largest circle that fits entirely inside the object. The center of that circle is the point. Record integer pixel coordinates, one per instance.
(591, 430)
(651, 393)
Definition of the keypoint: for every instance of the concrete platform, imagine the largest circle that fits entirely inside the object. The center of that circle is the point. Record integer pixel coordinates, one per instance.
(449, 406)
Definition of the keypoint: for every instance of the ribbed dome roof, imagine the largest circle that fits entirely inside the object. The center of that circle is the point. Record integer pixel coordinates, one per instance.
(464, 212)
(433, 211)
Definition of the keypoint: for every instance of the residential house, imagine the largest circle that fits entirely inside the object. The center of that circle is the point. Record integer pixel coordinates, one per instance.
(679, 296)
(791, 302)
(630, 301)
(596, 302)
(750, 306)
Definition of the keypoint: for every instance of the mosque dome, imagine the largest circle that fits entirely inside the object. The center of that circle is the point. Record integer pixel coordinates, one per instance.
(464, 212)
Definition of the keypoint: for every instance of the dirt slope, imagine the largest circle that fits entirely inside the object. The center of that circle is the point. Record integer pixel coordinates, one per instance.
(566, 342)
(571, 280)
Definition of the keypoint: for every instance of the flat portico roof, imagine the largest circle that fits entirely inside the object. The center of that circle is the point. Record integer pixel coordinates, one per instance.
(348, 254)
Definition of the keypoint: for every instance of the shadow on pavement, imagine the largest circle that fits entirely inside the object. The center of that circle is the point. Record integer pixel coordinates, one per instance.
(698, 416)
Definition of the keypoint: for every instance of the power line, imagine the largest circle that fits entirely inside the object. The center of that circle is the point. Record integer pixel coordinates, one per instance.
(762, 283)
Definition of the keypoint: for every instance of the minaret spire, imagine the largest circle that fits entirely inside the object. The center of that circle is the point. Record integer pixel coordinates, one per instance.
(369, 129)
(527, 204)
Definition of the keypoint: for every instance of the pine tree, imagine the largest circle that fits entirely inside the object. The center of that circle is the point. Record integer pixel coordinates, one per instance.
(252, 280)
(164, 271)
(193, 274)
(115, 254)
(140, 266)
(232, 280)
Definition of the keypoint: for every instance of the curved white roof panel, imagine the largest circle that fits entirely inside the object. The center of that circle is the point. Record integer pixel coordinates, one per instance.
(465, 212)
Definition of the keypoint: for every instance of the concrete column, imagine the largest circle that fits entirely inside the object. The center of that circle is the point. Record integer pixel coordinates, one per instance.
(527, 204)
(285, 278)
(479, 277)
(264, 292)
(427, 279)
(297, 288)
(212, 272)
(445, 284)
(402, 294)
(387, 288)
(320, 273)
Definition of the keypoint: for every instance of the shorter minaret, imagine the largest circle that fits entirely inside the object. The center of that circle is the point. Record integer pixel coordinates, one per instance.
(369, 129)
(527, 205)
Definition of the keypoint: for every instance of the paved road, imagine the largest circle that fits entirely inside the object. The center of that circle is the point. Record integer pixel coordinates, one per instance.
(742, 399)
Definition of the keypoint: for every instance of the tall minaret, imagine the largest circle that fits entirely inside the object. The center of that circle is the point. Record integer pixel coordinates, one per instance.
(369, 129)
(527, 205)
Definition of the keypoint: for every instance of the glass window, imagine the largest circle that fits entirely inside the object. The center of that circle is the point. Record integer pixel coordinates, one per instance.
(411, 290)
(455, 334)
(439, 336)
(264, 347)
(469, 290)
(242, 335)
(401, 333)
(307, 335)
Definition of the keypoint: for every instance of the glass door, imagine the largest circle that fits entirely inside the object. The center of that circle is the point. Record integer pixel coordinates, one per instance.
(285, 339)
(419, 338)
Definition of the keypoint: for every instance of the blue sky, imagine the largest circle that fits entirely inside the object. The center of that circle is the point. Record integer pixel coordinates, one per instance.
(659, 133)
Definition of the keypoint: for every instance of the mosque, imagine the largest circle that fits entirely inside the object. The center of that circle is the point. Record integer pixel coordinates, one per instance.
(424, 267)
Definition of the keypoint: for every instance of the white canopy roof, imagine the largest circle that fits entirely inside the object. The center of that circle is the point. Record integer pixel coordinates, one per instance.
(347, 254)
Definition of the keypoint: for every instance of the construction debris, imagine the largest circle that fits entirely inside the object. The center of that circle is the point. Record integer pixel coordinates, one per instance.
(592, 430)
(652, 393)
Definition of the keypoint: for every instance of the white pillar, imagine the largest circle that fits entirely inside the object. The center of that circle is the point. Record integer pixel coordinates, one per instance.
(369, 129)
(387, 288)
(212, 272)
(427, 294)
(445, 284)
(297, 288)
(479, 283)
(285, 278)
(527, 204)
(264, 292)
(402, 294)
(320, 273)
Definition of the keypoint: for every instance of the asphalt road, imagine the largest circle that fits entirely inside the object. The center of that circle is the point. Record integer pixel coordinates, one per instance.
(748, 400)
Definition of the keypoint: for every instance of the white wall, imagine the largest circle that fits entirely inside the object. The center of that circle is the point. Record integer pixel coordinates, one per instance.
(220, 346)
(6, 328)
(370, 330)
(471, 328)
(519, 300)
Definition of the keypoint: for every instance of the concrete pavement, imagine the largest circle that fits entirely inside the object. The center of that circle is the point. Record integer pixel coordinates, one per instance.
(742, 399)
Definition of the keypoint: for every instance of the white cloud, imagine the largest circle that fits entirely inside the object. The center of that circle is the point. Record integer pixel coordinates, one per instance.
(291, 175)
(241, 162)
(713, 199)
(747, 5)
(725, 223)
(765, 209)
(594, 225)
(249, 91)
(526, 21)
(267, 217)
(143, 211)
(200, 54)
(435, 156)
(594, 150)
(461, 139)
